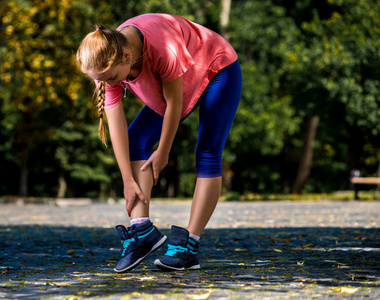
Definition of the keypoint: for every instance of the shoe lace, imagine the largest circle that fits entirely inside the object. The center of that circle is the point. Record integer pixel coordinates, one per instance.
(126, 244)
(172, 250)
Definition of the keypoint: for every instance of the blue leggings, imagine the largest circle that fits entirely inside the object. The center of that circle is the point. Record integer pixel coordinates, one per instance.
(217, 108)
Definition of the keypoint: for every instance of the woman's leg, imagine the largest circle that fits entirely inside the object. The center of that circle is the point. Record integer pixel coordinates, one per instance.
(141, 238)
(206, 196)
(218, 106)
(145, 182)
(144, 132)
(217, 111)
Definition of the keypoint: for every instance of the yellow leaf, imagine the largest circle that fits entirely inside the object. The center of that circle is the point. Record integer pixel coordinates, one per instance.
(199, 296)
(71, 251)
(277, 250)
(309, 245)
(240, 249)
(48, 80)
(147, 278)
(345, 290)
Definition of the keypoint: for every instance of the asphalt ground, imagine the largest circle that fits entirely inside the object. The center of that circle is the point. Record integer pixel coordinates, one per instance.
(249, 250)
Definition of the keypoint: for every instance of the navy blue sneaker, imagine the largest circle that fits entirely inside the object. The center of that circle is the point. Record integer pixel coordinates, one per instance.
(182, 252)
(138, 241)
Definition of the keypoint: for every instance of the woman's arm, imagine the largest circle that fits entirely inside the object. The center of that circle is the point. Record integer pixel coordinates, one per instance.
(119, 136)
(173, 94)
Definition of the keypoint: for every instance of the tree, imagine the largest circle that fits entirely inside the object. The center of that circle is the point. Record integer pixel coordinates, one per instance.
(258, 31)
(333, 67)
(41, 88)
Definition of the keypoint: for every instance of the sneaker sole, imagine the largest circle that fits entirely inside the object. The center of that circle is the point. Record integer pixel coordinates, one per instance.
(164, 267)
(154, 248)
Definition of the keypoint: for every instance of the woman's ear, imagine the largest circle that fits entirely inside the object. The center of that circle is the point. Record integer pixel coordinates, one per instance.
(127, 56)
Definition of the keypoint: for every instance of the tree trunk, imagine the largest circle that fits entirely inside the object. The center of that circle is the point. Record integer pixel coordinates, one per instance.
(225, 18)
(62, 187)
(23, 186)
(172, 176)
(306, 156)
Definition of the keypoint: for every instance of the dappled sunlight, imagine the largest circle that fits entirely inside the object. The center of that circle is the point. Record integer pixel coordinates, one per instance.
(49, 260)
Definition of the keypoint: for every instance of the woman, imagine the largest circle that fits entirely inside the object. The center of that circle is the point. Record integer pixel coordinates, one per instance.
(173, 66)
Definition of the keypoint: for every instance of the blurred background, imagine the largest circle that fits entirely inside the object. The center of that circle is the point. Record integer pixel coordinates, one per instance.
(309, 112)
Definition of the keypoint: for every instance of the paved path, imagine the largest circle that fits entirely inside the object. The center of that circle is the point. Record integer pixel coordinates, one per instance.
(257, 250)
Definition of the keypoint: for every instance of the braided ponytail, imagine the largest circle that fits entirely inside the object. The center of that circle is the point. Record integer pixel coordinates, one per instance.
(98, 51)
(101, 90)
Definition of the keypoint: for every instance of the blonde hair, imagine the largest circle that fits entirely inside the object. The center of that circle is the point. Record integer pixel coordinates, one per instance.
(98, 51)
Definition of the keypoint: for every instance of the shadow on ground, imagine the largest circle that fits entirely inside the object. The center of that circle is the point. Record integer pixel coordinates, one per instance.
(53, 262)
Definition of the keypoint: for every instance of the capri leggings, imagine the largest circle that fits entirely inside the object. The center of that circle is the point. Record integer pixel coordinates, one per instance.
(217, 108)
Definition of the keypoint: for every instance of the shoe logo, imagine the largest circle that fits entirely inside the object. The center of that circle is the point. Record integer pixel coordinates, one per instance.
(144, 235)
(191, 248)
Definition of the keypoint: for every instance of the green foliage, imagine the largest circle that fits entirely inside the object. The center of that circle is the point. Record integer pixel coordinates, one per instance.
(202, 11)
(339, 58)
(42, 90)
(258, 31)
(333, 72)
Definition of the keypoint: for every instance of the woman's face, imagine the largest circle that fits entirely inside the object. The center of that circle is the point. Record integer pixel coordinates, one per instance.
(114, 74)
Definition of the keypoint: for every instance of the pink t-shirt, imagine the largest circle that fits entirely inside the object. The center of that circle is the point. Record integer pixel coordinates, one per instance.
(173, 46)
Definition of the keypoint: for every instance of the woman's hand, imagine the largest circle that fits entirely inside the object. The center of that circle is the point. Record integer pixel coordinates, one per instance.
(158, 160)
(132, 192)
(173, 95)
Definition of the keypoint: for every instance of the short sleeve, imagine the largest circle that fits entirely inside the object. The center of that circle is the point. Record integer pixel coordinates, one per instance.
(113, 95)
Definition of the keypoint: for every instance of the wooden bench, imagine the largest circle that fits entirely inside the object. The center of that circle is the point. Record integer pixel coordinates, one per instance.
(355, 181)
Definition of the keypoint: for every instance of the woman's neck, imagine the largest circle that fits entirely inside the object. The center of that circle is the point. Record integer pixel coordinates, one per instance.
(136, 49)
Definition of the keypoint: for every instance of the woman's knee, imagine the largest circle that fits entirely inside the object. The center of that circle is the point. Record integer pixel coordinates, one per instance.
(209, 166)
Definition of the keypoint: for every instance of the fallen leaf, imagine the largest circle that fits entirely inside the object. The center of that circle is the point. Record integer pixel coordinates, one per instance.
(300, 263)
(240, 249)
(71, 251)
(277, 250)
(147, 278)
(343, 267)
(345, 290)
(199, 296)
(308, 245)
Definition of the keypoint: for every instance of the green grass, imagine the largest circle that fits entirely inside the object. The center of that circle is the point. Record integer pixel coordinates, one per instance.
(337, 196)
(249, 196)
